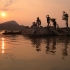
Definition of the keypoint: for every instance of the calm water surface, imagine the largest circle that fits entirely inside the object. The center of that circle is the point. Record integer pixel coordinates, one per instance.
(22, 53)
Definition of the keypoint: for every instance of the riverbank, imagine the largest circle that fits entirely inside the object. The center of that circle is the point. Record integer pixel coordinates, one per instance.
(46, 31)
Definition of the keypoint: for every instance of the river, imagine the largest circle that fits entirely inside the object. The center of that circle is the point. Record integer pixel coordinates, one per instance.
(22, 53)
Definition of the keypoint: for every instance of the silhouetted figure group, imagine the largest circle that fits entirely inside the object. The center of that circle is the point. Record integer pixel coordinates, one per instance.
(53, 20)
(65, 17)
(37, 23)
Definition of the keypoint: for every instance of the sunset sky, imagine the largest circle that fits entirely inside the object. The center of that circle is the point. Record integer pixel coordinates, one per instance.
(26, 11)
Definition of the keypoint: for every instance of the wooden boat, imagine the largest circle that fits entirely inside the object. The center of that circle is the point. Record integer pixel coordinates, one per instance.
(12, 33)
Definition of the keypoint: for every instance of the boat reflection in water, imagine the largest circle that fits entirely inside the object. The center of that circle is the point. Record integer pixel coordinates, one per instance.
(52, 44)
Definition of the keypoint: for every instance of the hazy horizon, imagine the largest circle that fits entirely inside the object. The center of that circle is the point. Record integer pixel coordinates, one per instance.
(25, 12)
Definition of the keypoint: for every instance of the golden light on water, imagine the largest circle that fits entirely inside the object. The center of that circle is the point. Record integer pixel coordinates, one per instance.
(2, 39)
(2, 51)
(3, 45)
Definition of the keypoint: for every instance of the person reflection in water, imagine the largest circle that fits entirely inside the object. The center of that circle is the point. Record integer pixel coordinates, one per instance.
(53, 45)
(64, 51)
(38, 47)
(48, 45)
(49, 48)
(36, 42)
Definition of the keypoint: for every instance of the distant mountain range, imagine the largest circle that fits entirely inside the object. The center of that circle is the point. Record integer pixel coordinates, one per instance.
(11, 25)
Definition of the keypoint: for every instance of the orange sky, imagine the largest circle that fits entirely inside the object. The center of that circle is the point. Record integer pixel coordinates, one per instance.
(26, 11)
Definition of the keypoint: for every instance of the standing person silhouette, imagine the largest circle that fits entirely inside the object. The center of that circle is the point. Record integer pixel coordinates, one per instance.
(65, 17)
(48, 19)
(38, 21)
(54, 22)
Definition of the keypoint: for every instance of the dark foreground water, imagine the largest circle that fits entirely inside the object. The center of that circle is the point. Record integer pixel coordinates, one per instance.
(21, 53)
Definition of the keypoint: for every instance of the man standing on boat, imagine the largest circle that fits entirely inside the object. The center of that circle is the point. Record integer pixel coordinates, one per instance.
(48, 19)
(38, 21)
(65, 17)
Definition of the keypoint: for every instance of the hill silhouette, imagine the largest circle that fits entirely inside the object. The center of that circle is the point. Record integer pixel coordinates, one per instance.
(11, 25)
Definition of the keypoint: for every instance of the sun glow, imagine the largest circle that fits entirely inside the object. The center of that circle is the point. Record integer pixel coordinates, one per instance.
(3, 14)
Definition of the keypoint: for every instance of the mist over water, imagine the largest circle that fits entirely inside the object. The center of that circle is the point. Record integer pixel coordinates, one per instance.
(23, 53)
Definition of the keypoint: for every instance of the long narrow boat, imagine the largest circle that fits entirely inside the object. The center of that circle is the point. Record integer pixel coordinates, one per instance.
(12, 33)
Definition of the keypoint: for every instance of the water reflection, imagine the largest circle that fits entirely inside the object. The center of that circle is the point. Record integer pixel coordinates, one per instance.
(52, 44)
(3, 47)
(64, 50)
(36, 42)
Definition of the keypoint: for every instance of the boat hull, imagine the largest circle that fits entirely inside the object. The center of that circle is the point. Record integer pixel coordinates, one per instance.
(12, 33)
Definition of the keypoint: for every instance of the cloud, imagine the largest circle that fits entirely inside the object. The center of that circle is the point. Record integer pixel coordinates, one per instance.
(5, 5)
(5, 9)
(9, 3)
